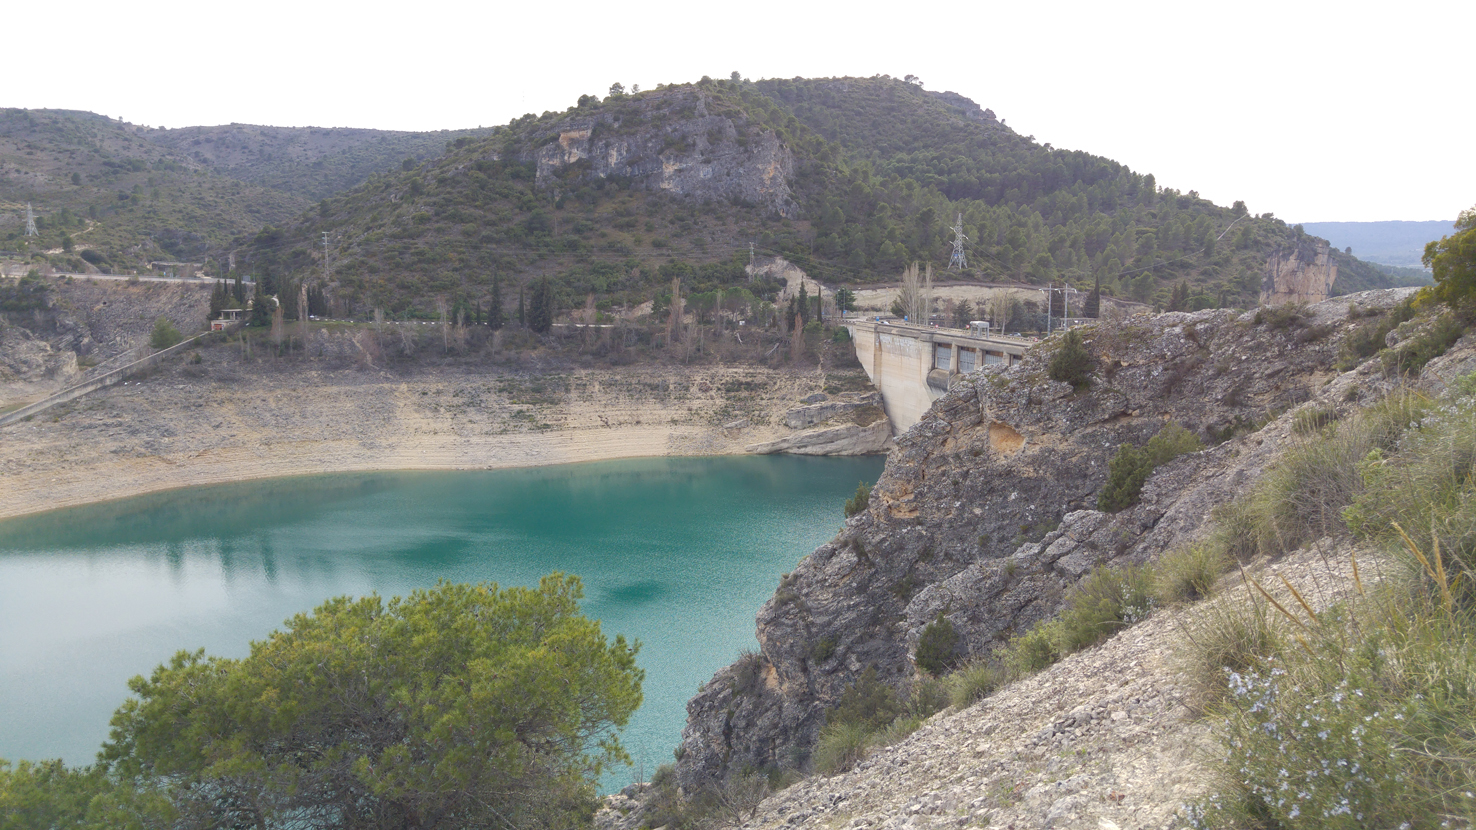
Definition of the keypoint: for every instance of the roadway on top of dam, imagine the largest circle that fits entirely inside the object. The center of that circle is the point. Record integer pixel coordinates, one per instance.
(914, 365)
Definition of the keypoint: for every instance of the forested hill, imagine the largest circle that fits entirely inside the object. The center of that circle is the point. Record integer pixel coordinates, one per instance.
(852, 178)
(119, 194)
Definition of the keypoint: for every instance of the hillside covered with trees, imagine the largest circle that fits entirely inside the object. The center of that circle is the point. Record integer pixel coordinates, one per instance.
(116, 195)
(877, 170)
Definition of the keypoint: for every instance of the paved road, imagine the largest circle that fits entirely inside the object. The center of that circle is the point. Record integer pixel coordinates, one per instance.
(142, 278)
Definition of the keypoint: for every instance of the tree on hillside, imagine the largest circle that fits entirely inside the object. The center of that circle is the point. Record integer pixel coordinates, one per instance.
(164, 334)
(541, 307)
(1453, 261)
(465, 706)
(495, 318)
(963, 314)
(1072, 363)
(845, 300)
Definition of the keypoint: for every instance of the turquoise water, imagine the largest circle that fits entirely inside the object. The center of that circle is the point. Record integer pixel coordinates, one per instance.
(677, 553)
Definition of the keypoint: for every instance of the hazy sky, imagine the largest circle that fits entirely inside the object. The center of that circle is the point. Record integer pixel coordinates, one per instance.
(1316, 111)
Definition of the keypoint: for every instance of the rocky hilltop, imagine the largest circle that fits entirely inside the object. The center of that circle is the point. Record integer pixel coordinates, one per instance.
(986, 510)
(668, 141)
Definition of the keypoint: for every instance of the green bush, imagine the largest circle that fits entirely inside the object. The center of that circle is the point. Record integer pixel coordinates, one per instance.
(1190, 573)
(1410, 356)
(1312, 420)
(859, 501)
(937, 646)
(1130, 468)
(975, 681)
(1034, 650)
(1368, 339)
(840, 747)
(1072, 363)
(1102, 603)
(927, 697)
(868, 702)
(164, 334)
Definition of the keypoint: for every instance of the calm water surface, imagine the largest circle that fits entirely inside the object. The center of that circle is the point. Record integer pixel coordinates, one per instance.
(677, 553)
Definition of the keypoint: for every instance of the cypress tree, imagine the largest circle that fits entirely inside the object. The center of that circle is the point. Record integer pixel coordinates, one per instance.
(494, 314)
(541, 309)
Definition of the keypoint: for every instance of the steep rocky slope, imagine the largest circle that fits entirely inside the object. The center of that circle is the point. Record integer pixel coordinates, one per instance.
(986, 510)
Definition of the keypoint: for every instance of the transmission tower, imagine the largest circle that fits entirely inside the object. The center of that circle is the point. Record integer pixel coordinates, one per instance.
(31, 221)
(325, 257)
(958, 260)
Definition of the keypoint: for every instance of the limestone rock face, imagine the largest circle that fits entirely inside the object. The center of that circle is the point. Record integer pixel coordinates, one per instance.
(847, 439)
(1303, 274)
(667, 141)
(850, 424)
(986, 509)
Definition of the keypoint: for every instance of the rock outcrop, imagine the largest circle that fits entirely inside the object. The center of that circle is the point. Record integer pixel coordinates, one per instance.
(986, 510)
(1303, 273)
(667, 141)
(851, 424)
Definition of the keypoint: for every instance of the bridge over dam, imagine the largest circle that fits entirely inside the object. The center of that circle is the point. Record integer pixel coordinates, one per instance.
(913, 366)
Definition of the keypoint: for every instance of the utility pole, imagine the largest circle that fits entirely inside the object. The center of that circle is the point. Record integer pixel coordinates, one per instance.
(31, 221)
(958, 260)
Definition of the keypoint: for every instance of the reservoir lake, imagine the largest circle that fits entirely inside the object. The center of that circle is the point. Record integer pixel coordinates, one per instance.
(678, 553)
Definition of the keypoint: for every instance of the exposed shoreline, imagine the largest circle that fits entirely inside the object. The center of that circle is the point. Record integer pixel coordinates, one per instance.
(175, 430)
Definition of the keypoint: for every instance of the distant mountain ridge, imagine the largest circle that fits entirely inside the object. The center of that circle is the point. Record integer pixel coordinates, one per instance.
(1397, 243)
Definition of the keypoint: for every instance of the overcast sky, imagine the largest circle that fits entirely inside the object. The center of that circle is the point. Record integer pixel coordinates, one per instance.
(1316, 111)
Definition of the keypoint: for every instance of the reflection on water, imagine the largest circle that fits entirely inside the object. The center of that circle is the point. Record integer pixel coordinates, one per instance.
(677, 553)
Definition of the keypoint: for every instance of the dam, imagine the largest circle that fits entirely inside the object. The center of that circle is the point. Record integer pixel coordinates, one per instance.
(913, 366)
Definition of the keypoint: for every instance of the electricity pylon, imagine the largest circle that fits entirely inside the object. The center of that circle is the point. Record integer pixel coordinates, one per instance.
(958, 260)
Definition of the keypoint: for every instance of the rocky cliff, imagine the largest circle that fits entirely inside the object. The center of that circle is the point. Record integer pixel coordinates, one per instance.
(669, 142)
(1303, 272)
(986, 510)
(76, 323)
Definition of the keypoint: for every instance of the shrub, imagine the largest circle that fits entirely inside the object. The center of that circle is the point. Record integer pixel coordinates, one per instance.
(841, 746)
(164, 334)
(975, 681)
(1190, 573)
(1226, 637)
(822, 650)
(1363, 715)
(1130, 468)
(1280, 317)
(1072, 363)
(1034, 650)
(1368, 339)
(868, 702)
(1410, 356)
(937, 646)
(1310, 421)
(859, 501)
(748, 670)
(1104, 602)
(927, 697)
